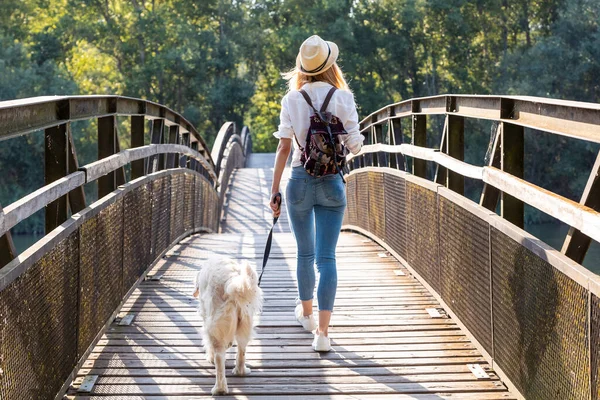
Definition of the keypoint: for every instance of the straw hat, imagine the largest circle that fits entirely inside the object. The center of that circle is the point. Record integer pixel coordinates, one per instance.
(316, 56)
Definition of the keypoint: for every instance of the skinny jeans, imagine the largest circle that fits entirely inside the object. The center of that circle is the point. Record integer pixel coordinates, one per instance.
(316, 209)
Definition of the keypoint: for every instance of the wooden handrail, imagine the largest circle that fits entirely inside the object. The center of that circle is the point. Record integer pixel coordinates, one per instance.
(570, 118)
(18, 117)
(578, 216)
(35, 201)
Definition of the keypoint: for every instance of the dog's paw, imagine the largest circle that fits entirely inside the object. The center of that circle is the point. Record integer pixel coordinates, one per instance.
(210, 358)
(245, 371)
(219, 390)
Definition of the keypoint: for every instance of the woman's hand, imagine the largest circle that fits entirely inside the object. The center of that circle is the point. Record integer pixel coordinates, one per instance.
(276, 204)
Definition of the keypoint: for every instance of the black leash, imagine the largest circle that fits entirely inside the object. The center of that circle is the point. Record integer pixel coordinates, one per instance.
(269, 240)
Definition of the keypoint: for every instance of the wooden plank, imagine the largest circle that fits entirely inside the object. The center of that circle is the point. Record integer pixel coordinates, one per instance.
(406, 387)
(395, 396)
(384, 341)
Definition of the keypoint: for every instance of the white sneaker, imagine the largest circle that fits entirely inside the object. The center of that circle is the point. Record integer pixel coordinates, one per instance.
(308, 322)
(321, 343)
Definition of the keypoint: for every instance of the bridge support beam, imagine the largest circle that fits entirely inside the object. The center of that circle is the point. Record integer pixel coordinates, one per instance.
(419, 138)
(107, 146)
(173, 139)
(184, 161)
(513, 154)
(56, 166)
(396, 136)
(576, 243)
(77, 200)
(455, 147)
(490, 195)
(137, 140)
(158, 127)
(7, 248)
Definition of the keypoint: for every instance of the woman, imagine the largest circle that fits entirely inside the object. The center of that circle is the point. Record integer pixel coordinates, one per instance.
(315, 205)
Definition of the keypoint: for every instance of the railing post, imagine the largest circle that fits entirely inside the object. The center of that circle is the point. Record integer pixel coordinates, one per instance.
(137, 140)
(513, 152)
(455, 145)
(419, 138)
(184, 161)
(106, 147)
(157, 137)
(194, 163)
(7, 248)
(173, 139)
(120, 172)
(76, 196)
(396, 126)
(576, 243)
(490, 195)
(441, 173)
(56, 166)
(381, 155)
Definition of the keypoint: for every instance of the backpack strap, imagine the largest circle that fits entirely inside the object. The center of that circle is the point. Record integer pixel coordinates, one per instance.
(307, 98)
(325, 103)
(328, 98)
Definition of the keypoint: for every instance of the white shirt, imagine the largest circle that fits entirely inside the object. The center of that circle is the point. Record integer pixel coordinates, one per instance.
(295, 116)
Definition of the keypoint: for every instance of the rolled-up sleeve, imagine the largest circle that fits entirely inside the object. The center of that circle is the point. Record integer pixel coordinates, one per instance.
(349, 117)
(285, 130)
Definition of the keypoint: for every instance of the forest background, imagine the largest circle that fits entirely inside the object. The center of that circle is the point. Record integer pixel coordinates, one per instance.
(220, 60)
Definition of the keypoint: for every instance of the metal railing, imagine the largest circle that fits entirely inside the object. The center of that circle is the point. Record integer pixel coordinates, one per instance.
(57, 297)
(533, 311)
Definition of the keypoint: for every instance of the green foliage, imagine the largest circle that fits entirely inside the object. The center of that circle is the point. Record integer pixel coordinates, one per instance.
(219, 60)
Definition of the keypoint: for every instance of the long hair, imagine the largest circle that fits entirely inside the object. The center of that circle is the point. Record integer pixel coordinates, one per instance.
(334, 76)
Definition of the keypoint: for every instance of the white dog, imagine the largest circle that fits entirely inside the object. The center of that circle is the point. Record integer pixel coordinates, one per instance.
(229, 298)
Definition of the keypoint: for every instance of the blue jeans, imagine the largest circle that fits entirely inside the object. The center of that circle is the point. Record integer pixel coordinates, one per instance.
(316, 209)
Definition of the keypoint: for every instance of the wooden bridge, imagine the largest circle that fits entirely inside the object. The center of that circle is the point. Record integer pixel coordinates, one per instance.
(439, 297)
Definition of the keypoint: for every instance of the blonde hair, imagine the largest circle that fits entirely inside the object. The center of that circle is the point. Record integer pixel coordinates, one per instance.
(333, 75)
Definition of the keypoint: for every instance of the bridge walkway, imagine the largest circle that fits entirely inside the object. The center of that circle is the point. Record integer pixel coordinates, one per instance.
(385, 344)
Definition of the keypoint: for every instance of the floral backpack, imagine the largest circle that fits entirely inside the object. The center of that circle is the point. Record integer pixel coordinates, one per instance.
(324, 153)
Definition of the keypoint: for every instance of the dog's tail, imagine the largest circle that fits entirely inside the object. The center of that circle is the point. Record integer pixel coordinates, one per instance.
(242, 288)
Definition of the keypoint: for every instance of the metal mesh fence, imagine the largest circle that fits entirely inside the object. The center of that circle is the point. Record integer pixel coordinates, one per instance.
(137, 229)
(540, 318)
(362, 201)
(101, 239)
(161, 215)
(52, 312)
(465, 269)
(422, 232)
(38, 332)
(527, 314)
(395, 216)
(350, 212)
(595, 346)
(177, 206)
(189, 202)
(376, 203)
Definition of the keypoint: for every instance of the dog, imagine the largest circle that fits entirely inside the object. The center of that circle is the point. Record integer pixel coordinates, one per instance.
(229, 298)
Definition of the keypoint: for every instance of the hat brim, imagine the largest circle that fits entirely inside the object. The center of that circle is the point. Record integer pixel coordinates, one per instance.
(330, 61)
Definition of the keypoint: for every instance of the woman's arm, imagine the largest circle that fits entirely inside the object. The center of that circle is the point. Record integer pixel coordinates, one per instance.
(349, 118)
(283, 152)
